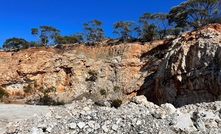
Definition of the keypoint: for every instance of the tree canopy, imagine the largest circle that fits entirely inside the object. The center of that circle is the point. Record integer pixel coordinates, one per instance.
(190, 14)
(45, 34)
(153, 26)
(68, 39)
(126, 29)
(15, 43)
(194, 13)
(93, 31)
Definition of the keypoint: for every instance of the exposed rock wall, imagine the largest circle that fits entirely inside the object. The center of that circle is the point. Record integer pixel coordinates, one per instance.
(190, 70)
(67, 70)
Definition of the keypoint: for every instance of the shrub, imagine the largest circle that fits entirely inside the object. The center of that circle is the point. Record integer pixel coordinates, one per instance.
(116, 103)
(47, 100)
(35, 84)
(92, 72)
(116, 88)
(58, 103)
(49, 90)
(3, 93)
(28, 89)
(93, 75)
(103, 92)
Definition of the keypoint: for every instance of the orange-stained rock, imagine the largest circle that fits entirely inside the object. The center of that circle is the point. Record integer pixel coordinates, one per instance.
(67, 70)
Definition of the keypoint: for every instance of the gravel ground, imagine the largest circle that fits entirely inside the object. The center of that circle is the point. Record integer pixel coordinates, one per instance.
(14, 112)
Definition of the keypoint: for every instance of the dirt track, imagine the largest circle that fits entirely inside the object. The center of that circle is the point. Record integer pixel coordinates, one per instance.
(14, 112)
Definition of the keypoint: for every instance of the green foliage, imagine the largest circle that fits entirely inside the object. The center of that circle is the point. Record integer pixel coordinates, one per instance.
(75, 38)
(46, 35)
(194, 13)
(35, 84)
(28, 89)
(93, 75)
(117, 88)
(3, 93)
(46, 99)
(103, 92)
(93, 72)
(153, 26)
(34, 44)
(49, 90)
(116, 103)
(15, 43)
(126, 29)
(149, 32)
(93, 31)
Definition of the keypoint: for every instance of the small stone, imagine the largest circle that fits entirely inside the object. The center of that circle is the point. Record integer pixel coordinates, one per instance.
(115, 127)
(49, 129)
(35, 130)
(96, 126)
(81, 125)
(72, 125)
(86, 108)
(139, 99)
(58, 117)
(42, 125)
(104, 127)
(91, 124)
(139, 122)
(169, 108)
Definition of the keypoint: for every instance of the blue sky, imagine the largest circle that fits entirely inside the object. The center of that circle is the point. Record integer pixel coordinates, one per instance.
(19, 16)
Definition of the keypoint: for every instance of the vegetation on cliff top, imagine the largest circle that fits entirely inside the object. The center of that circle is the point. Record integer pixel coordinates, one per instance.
(188, 15)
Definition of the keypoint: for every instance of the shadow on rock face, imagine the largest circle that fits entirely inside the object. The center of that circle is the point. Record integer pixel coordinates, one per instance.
(188, 73)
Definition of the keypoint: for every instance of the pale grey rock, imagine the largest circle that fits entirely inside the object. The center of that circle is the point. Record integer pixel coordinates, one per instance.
(89, 63)
(49, 129)
(104, 127)
(114, 127)
(72, 125)
(81, 125)
(189, 71)
(128, 118)
(169, 108)
(198, 123)
(184, 122)
(36, 131)
(96, 126)
(139, 99)
(91, 124)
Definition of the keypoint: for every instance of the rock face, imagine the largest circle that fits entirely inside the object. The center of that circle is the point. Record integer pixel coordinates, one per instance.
(139, 116)
(189, 71)
(182, 71)
(169, 73)
(74, 71)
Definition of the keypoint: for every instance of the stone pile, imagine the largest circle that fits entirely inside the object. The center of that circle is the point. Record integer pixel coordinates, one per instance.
(136, 116)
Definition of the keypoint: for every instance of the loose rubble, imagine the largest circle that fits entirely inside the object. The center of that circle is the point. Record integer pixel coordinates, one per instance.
(136, 116)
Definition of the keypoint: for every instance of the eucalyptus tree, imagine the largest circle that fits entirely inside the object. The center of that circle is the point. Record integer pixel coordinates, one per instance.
(153, 25)
(93, 31)
(15, 44)
(194, 13)
(126, 29)
(45, 34)
(67, 39)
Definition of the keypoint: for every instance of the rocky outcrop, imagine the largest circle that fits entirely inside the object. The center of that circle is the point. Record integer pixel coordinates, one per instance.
(189, 71)
(180, 71)
(137, 116)
(74, 71)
